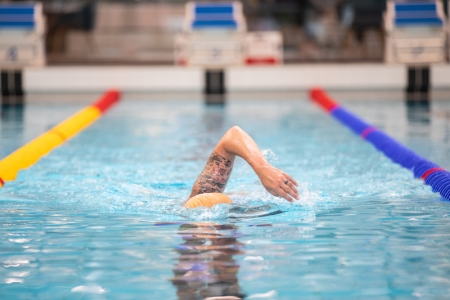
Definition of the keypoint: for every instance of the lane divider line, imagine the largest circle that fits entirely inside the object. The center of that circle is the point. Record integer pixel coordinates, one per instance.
(29, 154)
(431, 173)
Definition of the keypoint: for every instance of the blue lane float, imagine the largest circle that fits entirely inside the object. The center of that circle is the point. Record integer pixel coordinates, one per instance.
(431, 173)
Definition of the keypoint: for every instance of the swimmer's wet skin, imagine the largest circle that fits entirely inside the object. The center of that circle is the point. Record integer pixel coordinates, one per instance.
(208, 200)
(210, 184)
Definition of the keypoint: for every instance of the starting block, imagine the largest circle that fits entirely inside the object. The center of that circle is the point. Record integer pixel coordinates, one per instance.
(416, 35)
(22, 29)
(212, 35)
(416, 32)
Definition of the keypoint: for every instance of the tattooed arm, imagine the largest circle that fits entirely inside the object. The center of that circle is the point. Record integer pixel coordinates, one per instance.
(217, 171)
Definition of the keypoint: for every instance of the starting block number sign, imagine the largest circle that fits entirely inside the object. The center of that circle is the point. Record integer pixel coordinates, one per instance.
(16, 54)
(416, 51)
(210, 52)
(215, 53)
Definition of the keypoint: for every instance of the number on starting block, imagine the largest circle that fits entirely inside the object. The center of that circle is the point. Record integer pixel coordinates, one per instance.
(16, 54)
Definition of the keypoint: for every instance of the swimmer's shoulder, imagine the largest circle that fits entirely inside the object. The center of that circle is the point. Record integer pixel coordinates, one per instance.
(208, 200)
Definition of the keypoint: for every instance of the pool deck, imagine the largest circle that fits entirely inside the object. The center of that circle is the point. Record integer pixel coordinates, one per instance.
(239, 79)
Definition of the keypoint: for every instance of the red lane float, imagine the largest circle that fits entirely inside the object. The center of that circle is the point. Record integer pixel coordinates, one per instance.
(107, 100)
(321, 98)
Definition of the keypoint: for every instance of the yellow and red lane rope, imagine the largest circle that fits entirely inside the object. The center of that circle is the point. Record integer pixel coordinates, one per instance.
(29, 154)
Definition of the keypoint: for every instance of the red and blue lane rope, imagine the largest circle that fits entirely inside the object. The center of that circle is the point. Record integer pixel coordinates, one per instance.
(431, 173)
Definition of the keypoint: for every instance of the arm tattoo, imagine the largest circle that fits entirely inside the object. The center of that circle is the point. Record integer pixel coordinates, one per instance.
(214, 176)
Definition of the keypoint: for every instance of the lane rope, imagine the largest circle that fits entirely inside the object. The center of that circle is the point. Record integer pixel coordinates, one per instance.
(431, 173)
(29, 154)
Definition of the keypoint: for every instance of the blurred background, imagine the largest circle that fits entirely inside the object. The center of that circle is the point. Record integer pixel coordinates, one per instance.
(143, 31)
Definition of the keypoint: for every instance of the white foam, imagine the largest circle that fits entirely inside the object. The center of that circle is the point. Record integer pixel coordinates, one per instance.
(88, 289)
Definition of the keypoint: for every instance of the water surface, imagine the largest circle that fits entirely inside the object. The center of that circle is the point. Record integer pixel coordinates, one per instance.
(99, 218)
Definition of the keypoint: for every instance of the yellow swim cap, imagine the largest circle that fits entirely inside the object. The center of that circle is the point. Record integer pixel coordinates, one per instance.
(208, 200)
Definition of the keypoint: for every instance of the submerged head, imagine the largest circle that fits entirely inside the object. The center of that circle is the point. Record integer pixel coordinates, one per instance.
(208, 200)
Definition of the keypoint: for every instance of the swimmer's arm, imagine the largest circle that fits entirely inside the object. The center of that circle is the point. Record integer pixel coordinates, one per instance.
(217, 171)
(238, 142)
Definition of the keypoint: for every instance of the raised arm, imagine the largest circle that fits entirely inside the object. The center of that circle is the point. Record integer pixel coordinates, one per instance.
(217, 171)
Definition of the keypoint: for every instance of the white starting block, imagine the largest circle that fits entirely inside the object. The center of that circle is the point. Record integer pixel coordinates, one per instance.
(22, 29)
(416, 32)
(212, 35)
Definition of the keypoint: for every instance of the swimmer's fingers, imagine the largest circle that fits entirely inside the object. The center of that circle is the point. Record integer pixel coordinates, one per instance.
(280, 193)
(291, 179)
(290, 189)
(273, 192)
(285, 195)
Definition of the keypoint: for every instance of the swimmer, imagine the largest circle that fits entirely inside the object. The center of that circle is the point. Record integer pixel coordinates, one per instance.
(211, 183)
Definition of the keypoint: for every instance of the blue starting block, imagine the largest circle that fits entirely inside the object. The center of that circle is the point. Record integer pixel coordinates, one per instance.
(417, 14)
(215, 16)
(17, 17)
(207, 16)
(22, 29)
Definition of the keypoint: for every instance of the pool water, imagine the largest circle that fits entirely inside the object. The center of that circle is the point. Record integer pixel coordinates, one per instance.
(100, 217)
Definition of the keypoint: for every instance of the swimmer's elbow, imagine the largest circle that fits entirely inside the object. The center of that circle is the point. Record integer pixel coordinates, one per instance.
(233, 141)
(231, 134)
(234, 131)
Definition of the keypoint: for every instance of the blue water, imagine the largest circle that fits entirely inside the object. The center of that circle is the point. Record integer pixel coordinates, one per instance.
(99, 217)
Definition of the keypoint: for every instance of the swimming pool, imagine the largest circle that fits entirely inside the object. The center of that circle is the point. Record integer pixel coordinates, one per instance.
(99, 218)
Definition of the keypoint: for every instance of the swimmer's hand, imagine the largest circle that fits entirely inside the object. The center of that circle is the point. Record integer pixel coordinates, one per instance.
(274, 181)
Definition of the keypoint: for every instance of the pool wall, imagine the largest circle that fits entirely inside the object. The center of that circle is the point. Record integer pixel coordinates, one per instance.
(258, 78)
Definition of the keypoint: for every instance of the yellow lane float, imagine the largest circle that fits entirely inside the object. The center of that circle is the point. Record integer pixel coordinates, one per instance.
(29, 154)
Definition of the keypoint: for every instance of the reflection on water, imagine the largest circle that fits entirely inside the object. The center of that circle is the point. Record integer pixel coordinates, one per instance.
(12, 100)
(418, 115)
(206, 267)
(12, 119)
(418, 112)
(215, 99)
